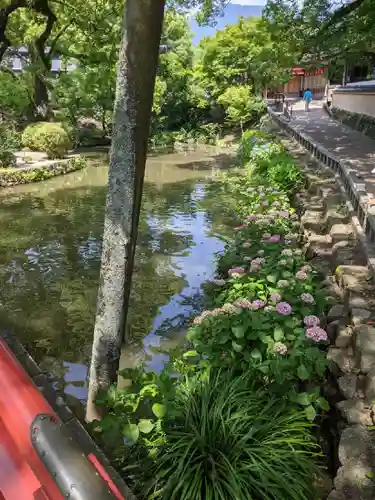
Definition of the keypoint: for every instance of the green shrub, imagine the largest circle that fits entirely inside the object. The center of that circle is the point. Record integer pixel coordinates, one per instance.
(230, 439)
(10, 139)
(7, 159)
(50, 138)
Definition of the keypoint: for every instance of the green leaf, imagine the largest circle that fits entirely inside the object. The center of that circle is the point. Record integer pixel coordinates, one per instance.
(145, 426)
(323, 403)
(302, 372)
(239, 331)
(131, 432)
(159, 410)
(271, 278)
(190, 354)
(310, 413)
(237, 347)
(302, 398)
(264, 368)
(278, 334)
(256, 354)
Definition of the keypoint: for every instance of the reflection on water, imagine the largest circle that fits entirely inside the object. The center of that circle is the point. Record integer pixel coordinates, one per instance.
(50, 259)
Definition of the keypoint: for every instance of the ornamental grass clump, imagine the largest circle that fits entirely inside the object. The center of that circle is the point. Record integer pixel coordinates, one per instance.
(231, 440)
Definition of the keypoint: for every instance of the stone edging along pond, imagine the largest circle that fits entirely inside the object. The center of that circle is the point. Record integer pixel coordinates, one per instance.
(336, 245)
(40, 172)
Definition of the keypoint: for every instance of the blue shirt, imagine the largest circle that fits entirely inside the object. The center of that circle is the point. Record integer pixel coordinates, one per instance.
(307, 96)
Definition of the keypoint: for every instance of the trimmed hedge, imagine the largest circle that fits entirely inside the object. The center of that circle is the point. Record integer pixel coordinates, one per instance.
(50, 138)
(10, 177)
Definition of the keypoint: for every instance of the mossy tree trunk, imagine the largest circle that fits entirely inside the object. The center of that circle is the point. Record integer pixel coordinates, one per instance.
(132, 111)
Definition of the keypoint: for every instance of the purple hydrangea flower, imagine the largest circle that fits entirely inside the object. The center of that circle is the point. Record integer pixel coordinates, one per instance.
(284, 308)
(275, 297)
(307, 297)
(311, 320)
(316, 334)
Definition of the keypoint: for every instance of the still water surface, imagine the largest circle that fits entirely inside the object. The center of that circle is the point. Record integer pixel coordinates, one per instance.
(50, 259)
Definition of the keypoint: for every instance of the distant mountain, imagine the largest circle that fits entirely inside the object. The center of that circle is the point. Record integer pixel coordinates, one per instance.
(231, 14)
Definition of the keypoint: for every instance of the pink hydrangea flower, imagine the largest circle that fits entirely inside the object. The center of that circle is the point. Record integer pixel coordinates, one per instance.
(311, 320)
(275, 297)
(284, 308)
(274, 239)
(301, 275)
(265, 203)
(308, 298)
(243, 304)
(284, 213)
(236, 271)
(306, 268)
(198, 320)
(258, 304)
(252, 218)
(282, 283)
(280, 348)
(316, 333)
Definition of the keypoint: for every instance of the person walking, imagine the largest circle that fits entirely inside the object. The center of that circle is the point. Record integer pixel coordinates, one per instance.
(307, 97)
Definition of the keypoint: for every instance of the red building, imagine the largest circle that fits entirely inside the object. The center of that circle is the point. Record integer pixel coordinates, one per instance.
(315, 79)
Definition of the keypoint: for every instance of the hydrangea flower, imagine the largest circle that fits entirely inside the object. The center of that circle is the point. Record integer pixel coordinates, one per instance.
(275, 297)
(282, 283)
(258, 304)
(274, 239)
(283, 262)
(297, 251)
(265, 203)
(284, 213)
(280, 348)
(236, 271)
(306, 268)
(284, 308)
(247, 244)
(308, 298)
(311, 320)
(301, 275)
(276, 204)
(261, 194)
(228, 308)
(287, 252)
(316, 334)
(243, 304)
(252, 218)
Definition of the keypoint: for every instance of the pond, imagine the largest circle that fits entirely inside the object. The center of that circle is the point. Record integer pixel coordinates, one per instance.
(50, 260)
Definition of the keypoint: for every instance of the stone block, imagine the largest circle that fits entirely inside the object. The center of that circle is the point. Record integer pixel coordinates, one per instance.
(336, 312)
(333, 217)
(365, 344)
(348, 385)
(341, 360)
(354, 480)
(344, 336)
(354, 412)
(359, 316)
(313, 220)
(370, 387)
(352, 277)
(355, 442)
(341, 232)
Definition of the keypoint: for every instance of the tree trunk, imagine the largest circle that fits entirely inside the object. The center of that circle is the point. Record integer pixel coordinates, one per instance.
(41, 98)
(132, 111)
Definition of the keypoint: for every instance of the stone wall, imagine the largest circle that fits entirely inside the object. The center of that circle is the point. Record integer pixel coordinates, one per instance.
(355, 100)
(362, 123)
(40, 172)
(334, 244)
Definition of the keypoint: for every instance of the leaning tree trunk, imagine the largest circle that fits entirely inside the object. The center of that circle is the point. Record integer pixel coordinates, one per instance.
(134, 93)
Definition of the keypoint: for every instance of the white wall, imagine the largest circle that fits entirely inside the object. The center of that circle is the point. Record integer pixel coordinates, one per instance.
(360, 102)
